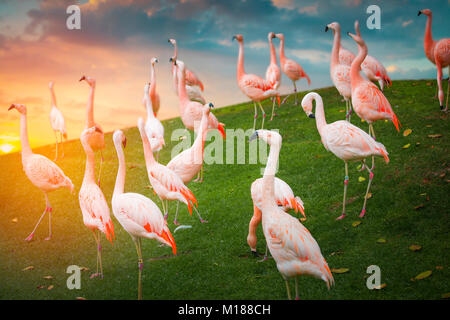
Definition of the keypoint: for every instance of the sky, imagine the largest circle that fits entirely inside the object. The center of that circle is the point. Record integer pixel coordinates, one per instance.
(118, 38)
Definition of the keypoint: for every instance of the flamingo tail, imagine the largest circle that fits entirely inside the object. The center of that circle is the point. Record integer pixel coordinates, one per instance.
(221, 129)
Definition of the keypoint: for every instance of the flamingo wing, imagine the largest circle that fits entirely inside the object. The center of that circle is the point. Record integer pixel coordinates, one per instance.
(44, 173)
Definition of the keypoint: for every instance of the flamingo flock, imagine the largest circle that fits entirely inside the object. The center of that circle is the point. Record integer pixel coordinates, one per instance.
(291, 245)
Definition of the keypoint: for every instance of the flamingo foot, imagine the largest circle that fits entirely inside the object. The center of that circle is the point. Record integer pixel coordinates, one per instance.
(363, 213)
(30, 237)
(263, 259)
(203, 221)
(95, 275)
(297, 298)
(165, 217)
(199, 180)
(342, 216)
(175, 222)
(362, 168)
(48, 238)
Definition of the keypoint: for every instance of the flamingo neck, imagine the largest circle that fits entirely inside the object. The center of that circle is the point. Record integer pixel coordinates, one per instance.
(320, 115)
(53, 97)
(199, 142)
(120, 179)
(25, 144)
(355, 75)
(269, 176)
(148, 154)
(428, 40)
(90, 109)
(273, 55)
(89, 172)
(282, 56)
(240, 62)
(148, 106)
(182, 87)
(336, 47)
(152, 81)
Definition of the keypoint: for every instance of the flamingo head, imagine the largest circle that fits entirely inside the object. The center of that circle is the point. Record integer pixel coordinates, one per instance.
(426, 12)
(19, 107)
(180, 65)
(119, 139)
(271, 35)
(154, 60)
(85, 135)
(333, 26)
(307, 104)
(172, 41)
(207, 108)
(272, 138)
(357, 39)
(238, 37)
(280, 36)
(173, 60)
(91, 81)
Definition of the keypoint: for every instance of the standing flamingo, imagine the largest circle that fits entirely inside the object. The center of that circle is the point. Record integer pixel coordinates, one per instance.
(339, 72)
(346, 141)
(291, 68)
(166, 183)
(292, 246)
(189, 162)
(57, 121)
(41, 171)
(193, 85)
(273, 73)
(368, 101)
(97, 139)
(93, 204)
(138, 215)
(254, 87)
(284, 196)
(438, 52)
(154, 96)
(153, 127)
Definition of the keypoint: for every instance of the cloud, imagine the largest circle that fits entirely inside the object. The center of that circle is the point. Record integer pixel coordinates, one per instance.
(309, 10)
(392, 68)
(312, 55)
(407, 23)
(353, 3)
(283, 4)
(258, 44)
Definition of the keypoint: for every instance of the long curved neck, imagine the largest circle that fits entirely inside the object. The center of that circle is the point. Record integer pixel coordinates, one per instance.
(53, 97)
(428, 40)
(152, 81)
(336, 47)
(148, 154)
(240, 63)
(199, 142)
(282, 56)
(90, 109)
(273, 55)
(182, 85)
(355, 76)
(320, 115)
(269, 176)
(120, 179)
(148, 106)
(89, 172)
(175, 51)
(25, 144)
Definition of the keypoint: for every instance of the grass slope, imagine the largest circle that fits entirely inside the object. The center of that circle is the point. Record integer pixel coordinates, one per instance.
(214, 260)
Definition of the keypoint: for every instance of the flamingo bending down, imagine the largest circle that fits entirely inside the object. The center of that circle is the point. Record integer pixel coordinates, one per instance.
(93, 204)
(138, 215)
(166, 183)
(339, 72)
(97, 139)
(41, 171)
(57, 121)
(291, 68)
(154, 96)
(189, 162)
(273, 73)
(285, 198)
(346, 141)
(194, 86)
(254, 87)
(292, 246)
(438, 52)
(153, 127)
(368, 101)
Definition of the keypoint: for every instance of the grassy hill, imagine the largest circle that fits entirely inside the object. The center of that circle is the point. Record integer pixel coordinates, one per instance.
(410, 205)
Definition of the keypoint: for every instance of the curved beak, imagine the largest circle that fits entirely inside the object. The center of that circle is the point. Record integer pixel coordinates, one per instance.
(11, 106)
(124, 142)
(156, 60)
(234, 37)
(273, 35)
(82, 78)
(326, 28)
(419, 13)
(211, 105)
(311, 115)
(253, 136)
(168, 40)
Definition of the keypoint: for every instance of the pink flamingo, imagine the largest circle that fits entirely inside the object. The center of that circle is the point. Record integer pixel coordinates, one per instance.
(273, 72)
(137, 214)
(40, 170)
(285, 198)
(57, 121)
(438, 52)
(97, 139)
(345, 141)
(291, 68)
(154, 96)
(292, 246)
(189, 162)
(191, 111)
(254, 87)
(93, 204)
(193, 85)
(166, 183)
(339, 72)
(345, 56)
(153, 127)
(368, 101)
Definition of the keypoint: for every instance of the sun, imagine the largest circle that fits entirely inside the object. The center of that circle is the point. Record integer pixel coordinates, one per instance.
(6, 148)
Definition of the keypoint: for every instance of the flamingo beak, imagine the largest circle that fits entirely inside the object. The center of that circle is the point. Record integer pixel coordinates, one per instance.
(97, 129)
(156, 60)
(234, 37)
(211, 105)
(253, 136)
(419, 13)
(311, 115)
(326, 28)
(82, 78)
(11, 107)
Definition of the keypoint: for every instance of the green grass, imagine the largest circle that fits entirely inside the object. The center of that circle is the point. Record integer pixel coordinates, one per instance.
(213, 260)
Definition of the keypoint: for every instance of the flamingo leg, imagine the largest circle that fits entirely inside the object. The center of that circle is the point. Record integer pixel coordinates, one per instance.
(164, 209)
(48, 208)
(373, 136)
(345, 192)
(363, 211)
(140, 265)
(295, 93)
(439, 80)
(273, 108)
(56, 148)
(101, 165)
(346, 110)
(350, 110)
(175, 222)
(265, 254)
(264, 114)
(49, 225)
(99, 255)
(198, 213)
(287, 288)
(296, 289)
(448, 87)
(256, 116)
(200, 175)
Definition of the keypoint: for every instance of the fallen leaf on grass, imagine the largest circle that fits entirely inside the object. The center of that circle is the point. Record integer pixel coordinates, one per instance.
(406, 146)
(439, 268)
(381, 240)
(342, 110)
(84, 269)
(15, 220)
(361, 179)
(420, 206)
(356, 223)
(407, 132)
(40, 286)
(415, 247)
(48, 277)
(423, 275)
(303, 219)
(337, 252)
(340, 270)
(445, 295)
(28, 268)
(80, 298)
(369, 195)
(428, 126)
(381, 286)
(50, 287)
(435, 135)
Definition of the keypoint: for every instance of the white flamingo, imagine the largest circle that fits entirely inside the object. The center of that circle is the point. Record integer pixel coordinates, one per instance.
(57, 121)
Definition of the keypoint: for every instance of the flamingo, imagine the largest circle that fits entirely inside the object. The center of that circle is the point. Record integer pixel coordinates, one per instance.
(368, 101)
(438, 52)
(97, 139)
(189, 162)
(137, 214)
(291, 68)
(345, 56)
(254, 87)
(194, 86)
(93, 204)
(345, 141)
(57, 121)
(154, 96)
(191, 111)
(153, 127)
(166, 183)
(40, 170)
(284, 197)
(292, 246)
(340, 72)
(273, 73)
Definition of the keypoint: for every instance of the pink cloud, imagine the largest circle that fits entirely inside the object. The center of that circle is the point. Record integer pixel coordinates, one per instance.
(309, 10)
